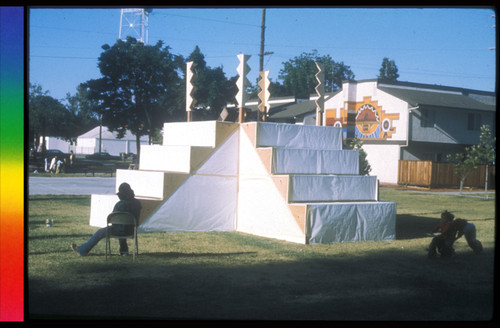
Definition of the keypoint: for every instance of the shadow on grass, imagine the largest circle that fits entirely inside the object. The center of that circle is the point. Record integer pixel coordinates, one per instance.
(412, 227)
(381, 285)
(181, 255)
(175, 255)
(46, 237)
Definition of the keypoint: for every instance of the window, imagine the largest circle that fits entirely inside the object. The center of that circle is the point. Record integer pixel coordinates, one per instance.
(474, 122)
(427, 118)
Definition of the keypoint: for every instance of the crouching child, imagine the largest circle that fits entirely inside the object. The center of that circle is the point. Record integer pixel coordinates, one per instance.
(467, 229)
(443, 243)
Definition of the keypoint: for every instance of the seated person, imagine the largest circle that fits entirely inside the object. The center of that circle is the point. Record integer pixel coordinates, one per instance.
(127, 203)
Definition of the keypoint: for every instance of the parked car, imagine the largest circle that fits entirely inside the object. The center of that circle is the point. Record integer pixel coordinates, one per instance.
(103, 156)
(56, 152)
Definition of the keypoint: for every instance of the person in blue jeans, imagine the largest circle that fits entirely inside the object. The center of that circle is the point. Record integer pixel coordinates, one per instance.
(462, 227)
(127, 203)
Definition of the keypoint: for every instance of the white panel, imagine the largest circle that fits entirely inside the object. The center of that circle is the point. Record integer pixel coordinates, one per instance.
(298, 136)
(317, 188)
(312, 161)
(263, 212)
(202, 203)
(100, 207)
(224, 161)
(250, 163)
(165, 158)
(343, 222)
(261, 209)
(384, 160)
(143, 183)
(200, 133)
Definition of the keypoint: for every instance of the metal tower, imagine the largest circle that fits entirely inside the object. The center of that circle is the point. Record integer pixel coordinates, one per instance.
(134, 22)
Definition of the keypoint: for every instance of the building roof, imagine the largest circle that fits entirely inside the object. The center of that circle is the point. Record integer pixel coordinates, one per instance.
(295, 110)
(436, 97)
(106, 134)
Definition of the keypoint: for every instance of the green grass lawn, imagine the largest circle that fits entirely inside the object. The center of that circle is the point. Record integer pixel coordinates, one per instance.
(231, 275)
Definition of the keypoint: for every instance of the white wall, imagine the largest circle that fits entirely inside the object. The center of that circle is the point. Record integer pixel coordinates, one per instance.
(384, 160)
(56, 143)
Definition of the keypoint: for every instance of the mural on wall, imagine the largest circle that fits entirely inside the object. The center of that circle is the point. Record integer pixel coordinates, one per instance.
(364, 120)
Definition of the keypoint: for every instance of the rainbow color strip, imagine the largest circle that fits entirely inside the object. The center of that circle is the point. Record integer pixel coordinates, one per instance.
(11, 164)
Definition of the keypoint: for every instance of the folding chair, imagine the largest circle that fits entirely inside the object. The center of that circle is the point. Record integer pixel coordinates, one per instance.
(120, 218)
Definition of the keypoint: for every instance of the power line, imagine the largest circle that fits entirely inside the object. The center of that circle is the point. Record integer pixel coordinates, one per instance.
(62, 57)
(72, 29)
(206, 19)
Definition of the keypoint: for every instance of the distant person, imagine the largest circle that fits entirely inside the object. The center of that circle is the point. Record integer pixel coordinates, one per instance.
(53, 164)
(71, 158)
(127, 203)
(462, 227)
(444, 241)
(40, 148)
(59, 166)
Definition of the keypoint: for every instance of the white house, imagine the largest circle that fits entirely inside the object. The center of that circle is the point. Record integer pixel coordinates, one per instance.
(88, 143)
(57, 143)
(401, 120)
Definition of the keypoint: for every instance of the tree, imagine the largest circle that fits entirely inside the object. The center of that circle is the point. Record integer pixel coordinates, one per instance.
(139, 88)
(299, 74)
(464, 163)
(388, 70)
(364, 167)
(48, 116)
(84, 109)
(486, 152)
(482, 153)
(213, 89)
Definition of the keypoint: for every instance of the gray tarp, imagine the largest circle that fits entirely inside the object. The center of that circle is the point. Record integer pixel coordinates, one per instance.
(313, 161)
(340, 222)
(325, 188)
(298, 136)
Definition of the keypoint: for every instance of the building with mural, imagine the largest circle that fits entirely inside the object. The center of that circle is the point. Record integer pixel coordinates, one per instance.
(401, 120)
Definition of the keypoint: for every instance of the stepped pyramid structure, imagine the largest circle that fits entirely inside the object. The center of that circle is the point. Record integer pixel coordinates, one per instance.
(283, 181)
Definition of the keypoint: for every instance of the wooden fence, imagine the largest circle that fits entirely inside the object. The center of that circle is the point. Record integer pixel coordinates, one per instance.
(432, 174)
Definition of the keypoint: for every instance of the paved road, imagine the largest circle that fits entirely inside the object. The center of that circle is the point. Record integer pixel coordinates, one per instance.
(71, 186)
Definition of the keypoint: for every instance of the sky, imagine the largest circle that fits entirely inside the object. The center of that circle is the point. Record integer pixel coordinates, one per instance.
(443, 46)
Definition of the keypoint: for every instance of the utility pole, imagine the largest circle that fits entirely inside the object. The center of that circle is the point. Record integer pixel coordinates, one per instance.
(262, 38)
(262, 54)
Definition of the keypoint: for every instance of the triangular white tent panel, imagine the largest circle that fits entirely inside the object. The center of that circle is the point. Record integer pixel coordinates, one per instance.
(206, 201)
(262, 210)
(224, 160)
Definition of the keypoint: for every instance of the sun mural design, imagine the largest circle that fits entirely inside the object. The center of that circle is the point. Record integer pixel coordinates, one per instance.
(364, 120)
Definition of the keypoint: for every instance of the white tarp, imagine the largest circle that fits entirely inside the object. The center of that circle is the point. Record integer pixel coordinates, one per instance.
(165, 158)
(149, 184)
(101, 206)
(224, 161)
(201, 133)
(341, 222)
(314, 161)
(298, 136)
(262, 210)
(202, 203)
(324, 188)
(206, 201)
